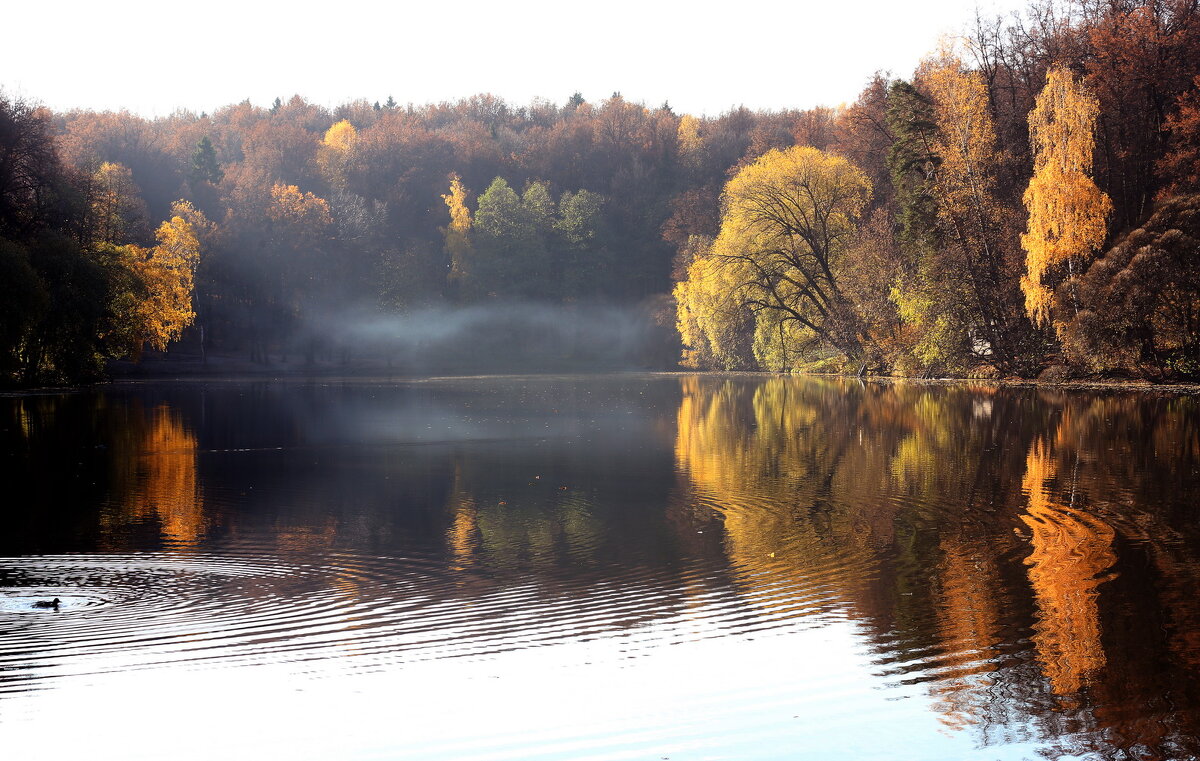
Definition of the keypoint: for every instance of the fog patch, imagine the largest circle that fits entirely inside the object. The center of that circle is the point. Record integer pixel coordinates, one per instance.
(497, 338)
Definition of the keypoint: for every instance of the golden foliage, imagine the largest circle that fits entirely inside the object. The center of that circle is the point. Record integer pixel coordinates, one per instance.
(798, 192)
(158, 478)
(458, 242)
(1067, 212)
(788, 221)
(170, 489)
(691, 144)
(966, 143)
(304, 210)
(969, 618)
(761, 456)
(336, 151)
(340, 137)
(159, 307)
(711, 323)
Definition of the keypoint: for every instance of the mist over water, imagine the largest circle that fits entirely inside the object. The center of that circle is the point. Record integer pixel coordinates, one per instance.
(504, 337)
(599, 566)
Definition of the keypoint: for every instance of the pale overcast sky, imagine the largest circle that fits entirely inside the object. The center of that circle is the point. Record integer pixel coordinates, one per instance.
(154, 57)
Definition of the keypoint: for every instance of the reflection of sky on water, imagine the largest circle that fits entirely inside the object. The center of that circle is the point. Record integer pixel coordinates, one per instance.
(808, 693)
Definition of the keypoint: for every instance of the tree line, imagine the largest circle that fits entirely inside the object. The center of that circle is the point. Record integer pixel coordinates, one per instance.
(1025, 203)
(1026, 199)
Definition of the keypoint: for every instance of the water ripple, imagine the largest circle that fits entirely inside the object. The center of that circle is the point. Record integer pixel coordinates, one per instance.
(149, 610)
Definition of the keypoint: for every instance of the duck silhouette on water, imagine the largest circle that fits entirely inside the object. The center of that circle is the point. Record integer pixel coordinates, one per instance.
(48, 603)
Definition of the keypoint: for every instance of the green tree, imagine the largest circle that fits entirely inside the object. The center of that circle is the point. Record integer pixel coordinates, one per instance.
(912, 162)
(928, 291)
(23, 301)
(509, 241)
(205, 168)
(582, 256)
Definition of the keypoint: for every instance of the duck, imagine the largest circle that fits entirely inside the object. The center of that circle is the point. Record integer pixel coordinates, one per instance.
(48, 603)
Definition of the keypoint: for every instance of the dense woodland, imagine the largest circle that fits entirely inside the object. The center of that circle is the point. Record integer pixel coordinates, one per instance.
(1027, 200)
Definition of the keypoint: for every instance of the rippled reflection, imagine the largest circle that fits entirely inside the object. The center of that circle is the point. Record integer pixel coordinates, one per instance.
(164, 486)
(606, 567)
(1072, 551)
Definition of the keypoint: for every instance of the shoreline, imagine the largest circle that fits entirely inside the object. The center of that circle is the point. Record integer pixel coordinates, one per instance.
(371, 374)
(1076, 384)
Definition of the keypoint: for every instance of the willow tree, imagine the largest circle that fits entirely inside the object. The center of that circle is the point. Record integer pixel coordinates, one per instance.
(1067, 212)
(716, 330)
(787, 222)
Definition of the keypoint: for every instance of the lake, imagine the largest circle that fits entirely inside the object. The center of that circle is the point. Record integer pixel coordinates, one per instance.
(599, 567)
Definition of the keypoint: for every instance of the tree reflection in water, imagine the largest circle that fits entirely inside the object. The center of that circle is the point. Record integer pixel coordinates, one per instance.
(1027, 559)
(1016, 551)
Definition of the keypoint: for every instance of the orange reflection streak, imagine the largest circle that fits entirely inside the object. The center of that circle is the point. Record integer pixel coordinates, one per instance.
(1072, 551)
(463, 534)
(167, 482)
(969, 627)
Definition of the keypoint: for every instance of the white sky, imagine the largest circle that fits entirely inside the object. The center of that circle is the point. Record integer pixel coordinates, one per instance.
(154, 57)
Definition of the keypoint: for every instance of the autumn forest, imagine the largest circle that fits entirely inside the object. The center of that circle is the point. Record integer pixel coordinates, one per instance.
(1026, 203)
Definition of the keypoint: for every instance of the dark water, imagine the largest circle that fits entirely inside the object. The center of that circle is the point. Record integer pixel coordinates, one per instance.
(608, 567)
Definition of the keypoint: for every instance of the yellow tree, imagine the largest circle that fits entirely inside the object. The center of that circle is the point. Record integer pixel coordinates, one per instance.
(691, 144)
(157, 305)
(714, 327)
(975, 262)
(1067, 212)
(458, 242)
(788, 222)
(335, 153)
(306, 216)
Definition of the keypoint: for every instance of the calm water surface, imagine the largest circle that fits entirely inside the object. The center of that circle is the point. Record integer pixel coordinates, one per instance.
(604, 567)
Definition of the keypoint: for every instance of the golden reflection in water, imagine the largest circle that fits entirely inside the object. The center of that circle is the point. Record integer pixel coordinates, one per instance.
(969, 629)
(1072, 552)
(763, 465)
(166, 483)
(463, 534)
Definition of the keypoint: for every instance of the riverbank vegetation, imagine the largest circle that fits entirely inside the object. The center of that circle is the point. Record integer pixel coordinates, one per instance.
(1027, 200)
